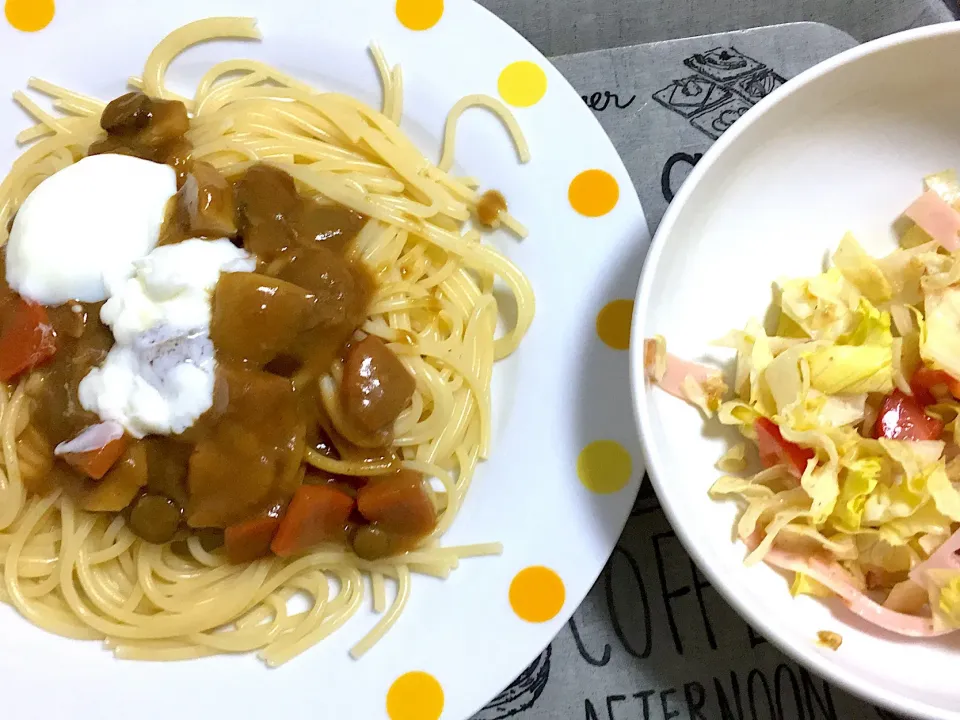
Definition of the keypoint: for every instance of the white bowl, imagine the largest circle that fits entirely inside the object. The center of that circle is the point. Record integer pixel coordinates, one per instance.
(842, 147)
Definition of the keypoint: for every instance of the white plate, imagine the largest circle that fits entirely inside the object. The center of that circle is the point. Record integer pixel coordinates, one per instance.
(842, 147)
(550, 398)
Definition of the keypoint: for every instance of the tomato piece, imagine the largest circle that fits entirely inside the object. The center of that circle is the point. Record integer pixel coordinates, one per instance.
(901, 417)
(316, 514)
(775, 450)
(926, 379)
(249, 540)
(27, 339)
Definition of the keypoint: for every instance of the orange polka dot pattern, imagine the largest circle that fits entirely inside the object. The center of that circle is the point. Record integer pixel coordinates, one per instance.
(29, 15)
(537, 594)
(604, 467)
(613, 324)
(594, 193)
(415, 696)
(522, 83)
(419, 14)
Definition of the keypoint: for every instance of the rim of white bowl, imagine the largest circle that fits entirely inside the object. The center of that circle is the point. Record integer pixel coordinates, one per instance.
(656, 464)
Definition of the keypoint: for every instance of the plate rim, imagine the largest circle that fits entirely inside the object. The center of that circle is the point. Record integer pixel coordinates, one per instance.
(574, 601)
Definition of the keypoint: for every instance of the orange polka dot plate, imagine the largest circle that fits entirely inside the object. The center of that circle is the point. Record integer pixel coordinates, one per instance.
(564, 464)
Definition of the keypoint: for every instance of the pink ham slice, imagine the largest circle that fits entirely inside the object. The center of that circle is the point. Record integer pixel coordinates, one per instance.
(831, 575)
(678, 371)
(943, 558)
(936, 218)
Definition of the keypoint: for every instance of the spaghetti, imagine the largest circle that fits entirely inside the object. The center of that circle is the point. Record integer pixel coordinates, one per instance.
(86, 575)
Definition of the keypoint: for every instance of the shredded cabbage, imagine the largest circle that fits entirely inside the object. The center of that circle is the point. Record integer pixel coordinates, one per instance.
(861, 270)
(948, 603)
(822, 306)
(914, 237)
(943, 589)
(734, 459)
(940, 338)
(852, 369)
(858, 481)
(843, 351)
(872, 327)
(803, 584)
(945, 185)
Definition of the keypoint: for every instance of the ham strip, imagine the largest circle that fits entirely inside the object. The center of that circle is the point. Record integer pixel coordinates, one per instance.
(936, 218)
(943, 558)
(831, 575)
(677, 371)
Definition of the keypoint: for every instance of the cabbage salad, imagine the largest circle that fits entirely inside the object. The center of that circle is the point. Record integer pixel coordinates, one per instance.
(851, 406)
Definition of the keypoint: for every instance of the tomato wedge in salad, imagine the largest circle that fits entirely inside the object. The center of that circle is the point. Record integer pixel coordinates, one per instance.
(902, 417)
(775, 450)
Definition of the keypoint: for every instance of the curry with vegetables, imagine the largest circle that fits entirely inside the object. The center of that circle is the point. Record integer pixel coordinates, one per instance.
(237, 477)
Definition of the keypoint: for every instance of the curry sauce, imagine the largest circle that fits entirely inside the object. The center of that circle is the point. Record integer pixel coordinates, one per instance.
(237, 475)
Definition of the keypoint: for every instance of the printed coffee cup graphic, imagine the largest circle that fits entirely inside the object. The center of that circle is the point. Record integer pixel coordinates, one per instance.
(727, 83)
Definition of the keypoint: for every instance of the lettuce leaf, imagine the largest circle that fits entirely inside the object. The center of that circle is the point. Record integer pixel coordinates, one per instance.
(765, 510)
(940, 336)
(822, 485)
(901, 506)
(875, 550)
(948, 604)
(789, 329)
(783, 378)
(862, 361)
(943, 586)
(754, 352)
(706, 395)
(851, 369)
(872, 327)
(946, 185)
(804, 538)
(885, 504)
(805, 585)
(914, 457)
(823, 306)
(771, 530)
(819, 410)
(737, 412)
(748, 488)
(914, 236)
(861, 270)
(734, 459)
(922, 521)
(858, 480)
(945, 496)
(904, 270)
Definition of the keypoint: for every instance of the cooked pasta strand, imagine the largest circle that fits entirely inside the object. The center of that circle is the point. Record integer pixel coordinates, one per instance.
(86, 575)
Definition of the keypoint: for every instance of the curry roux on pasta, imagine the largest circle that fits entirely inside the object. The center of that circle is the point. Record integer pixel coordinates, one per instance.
(237, 476)
(351, 399)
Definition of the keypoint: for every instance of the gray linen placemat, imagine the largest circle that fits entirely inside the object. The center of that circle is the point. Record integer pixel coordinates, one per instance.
(572, 26)
(653, 640)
